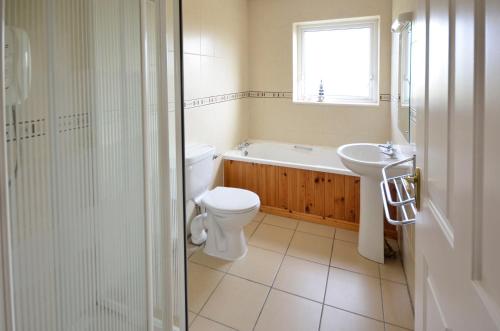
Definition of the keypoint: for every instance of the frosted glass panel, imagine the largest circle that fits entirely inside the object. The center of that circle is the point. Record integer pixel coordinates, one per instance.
(75, 163)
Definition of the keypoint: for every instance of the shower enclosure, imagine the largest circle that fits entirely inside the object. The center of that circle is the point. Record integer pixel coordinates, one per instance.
(91, 219)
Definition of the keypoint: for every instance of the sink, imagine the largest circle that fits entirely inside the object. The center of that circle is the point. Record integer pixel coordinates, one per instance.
(367, 160)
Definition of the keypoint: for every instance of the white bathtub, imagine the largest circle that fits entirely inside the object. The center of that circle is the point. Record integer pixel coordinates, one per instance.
(307, 157)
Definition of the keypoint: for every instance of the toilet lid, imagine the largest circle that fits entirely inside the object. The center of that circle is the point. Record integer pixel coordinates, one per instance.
(231, 200)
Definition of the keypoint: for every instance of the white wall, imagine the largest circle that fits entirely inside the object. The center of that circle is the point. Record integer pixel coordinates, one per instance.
(215, 63)
(270, 63)
(407, 235)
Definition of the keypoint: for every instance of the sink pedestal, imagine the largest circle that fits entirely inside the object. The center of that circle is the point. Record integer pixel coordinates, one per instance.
(367, 161)
(371, 221)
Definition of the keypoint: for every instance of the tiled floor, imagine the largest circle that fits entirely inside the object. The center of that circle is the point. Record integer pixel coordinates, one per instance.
(297, 276)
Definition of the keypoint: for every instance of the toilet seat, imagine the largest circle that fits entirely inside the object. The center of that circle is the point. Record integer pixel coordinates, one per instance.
(229, 200)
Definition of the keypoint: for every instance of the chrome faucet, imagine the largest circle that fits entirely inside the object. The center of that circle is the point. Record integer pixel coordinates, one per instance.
(243, 147)
(387, 148)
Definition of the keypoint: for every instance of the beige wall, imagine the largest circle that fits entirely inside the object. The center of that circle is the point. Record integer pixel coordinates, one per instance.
(407, 235)
(215, 63)
(270, 63)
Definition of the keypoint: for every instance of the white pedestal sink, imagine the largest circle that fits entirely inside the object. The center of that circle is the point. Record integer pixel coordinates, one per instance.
(367, 160)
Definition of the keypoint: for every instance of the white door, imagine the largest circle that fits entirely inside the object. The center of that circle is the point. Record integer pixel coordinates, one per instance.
(457, 96)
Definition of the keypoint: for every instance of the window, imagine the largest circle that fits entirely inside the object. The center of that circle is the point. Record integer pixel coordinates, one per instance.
(339, 57)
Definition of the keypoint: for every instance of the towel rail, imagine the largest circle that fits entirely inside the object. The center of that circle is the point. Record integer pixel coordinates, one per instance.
(407, 192)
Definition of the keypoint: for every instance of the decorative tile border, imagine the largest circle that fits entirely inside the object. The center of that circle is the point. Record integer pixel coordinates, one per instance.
(25, 130)
(194, 103)
(268, 94)
(36, 128)
(72, 122)
(200, 102)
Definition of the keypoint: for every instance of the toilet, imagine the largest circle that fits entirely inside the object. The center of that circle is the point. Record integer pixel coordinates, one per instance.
(224, 211)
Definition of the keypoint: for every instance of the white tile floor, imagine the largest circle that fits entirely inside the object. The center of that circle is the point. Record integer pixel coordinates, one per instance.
(297, 276)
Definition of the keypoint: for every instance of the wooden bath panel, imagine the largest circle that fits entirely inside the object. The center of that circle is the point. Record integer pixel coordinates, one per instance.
(314, 196)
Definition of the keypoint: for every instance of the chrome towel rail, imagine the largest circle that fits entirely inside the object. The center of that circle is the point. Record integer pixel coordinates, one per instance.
(407, 189)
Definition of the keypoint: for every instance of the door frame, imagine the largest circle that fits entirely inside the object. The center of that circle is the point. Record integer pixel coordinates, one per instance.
(6, 284)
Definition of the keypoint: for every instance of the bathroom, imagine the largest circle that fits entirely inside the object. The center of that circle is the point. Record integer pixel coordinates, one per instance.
(249, 165)
(239, 87)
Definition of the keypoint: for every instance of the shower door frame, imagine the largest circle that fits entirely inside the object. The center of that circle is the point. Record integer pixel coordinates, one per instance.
(7, 312)
(6, 285)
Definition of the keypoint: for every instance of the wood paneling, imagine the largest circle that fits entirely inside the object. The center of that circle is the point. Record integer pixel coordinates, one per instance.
(314, 196)
(296, 190)
(250, 176)
(266, 184)
(350, 198)
(314, 193)
(283, 188)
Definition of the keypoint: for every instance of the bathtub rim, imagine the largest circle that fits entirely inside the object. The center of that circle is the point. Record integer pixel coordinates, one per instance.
(233, 155)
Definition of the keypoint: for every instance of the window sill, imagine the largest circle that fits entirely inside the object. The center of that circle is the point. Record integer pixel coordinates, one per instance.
(337, 103)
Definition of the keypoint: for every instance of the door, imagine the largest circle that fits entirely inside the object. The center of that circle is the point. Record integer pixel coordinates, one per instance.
(457, 84)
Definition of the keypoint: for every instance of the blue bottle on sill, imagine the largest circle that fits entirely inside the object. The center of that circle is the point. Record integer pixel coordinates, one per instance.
(321, 92)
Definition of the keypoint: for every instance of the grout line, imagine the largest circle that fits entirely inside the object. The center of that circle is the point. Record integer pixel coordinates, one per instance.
(210, 319)
(300, 258)
(326, 285)
(400, 256)
(279, 226)
(209, 267)
(262, 308)
(274, 280)
(307, 260)
(330, 265)
(271, 287)
(317, 235)
(284, 255)
(397, 326)
(263, 218)
(297, 295)
(355, 313)
(382, 299)
(211, 293)
(194, 319)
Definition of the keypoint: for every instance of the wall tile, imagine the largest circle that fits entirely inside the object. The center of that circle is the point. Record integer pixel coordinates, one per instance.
(270, 62)
(191, 10)
(192, 76)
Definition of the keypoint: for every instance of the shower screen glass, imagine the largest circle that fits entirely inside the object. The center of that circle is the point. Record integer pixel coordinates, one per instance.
(92, 228)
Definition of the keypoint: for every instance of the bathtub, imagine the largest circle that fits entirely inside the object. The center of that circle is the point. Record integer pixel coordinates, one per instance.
(324, 159)
(308, 183)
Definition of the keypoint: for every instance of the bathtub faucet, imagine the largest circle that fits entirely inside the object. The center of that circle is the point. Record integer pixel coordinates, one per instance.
(243, 147)
(244, 144)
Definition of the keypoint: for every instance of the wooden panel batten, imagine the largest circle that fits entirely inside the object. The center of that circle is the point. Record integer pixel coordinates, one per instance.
(318, 197)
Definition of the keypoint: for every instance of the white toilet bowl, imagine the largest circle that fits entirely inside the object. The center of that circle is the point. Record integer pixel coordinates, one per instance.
(224, 210)
(228, 210)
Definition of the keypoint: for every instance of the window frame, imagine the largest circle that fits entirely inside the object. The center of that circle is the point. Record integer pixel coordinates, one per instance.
(299, 28)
